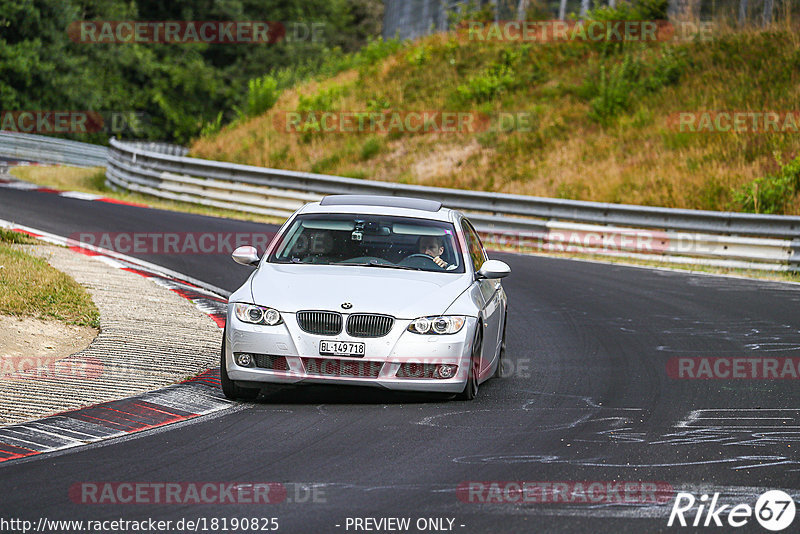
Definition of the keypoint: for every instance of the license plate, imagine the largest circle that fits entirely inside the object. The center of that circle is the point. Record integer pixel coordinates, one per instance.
(342, 348)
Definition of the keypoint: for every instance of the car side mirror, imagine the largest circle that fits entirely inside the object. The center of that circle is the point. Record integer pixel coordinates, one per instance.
(245, 255)
(492, 269)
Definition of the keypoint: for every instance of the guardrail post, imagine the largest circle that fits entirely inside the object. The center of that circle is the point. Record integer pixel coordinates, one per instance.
(794, 260)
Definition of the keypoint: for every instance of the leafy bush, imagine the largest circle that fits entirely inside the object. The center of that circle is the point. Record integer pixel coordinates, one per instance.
(323, 100)
(491, 82)
(615, 89)
(633, 10)
(358, 174)
(470, 11)
(538, 10)
(625, 81)
(667, 70)
(371, 148)
(210, 128)
(501, 76)
(377, 104)
(650, 9)
(332, 61)
(325, 164)
(262, 93)
(419, 55)
(771, 194)
(376, 50)
(180, 89)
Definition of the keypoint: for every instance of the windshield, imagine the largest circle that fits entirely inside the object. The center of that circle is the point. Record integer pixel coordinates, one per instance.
(370, 241)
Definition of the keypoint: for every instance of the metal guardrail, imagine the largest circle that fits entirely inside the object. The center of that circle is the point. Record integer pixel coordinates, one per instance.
(515, 221)
(53, 150)
(160, 148)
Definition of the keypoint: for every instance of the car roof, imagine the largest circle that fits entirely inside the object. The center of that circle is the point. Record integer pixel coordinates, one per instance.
(381, 205)
(378, 200)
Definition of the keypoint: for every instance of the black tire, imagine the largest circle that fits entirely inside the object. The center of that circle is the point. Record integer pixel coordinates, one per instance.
(498, 373)
(471, 387)
(229, 388)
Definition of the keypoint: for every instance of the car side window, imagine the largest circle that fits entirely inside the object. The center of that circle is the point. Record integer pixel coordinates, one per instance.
(474, 245)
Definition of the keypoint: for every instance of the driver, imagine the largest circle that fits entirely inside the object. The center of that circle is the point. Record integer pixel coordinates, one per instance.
(319, 246)
(433, 246)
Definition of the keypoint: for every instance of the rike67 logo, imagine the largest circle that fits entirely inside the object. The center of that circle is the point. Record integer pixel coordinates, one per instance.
(774, 510)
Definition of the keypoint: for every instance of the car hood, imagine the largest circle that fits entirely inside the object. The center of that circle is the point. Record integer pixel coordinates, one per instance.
(402, 294)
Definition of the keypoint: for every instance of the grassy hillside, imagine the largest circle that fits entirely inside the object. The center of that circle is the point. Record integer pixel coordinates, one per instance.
(601, 120)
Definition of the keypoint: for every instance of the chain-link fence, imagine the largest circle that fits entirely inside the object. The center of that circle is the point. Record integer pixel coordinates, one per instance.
(408, 19)
(738, 12)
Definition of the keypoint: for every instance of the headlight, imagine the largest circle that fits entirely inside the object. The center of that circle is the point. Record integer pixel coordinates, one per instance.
(248, 313)
(445, 324)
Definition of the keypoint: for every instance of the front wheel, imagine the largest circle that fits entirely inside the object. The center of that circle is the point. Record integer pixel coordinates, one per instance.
(229, 387)
(471, 387)
(501, 358)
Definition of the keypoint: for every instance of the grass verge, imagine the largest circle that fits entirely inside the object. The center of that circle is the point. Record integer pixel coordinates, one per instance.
(29, 286)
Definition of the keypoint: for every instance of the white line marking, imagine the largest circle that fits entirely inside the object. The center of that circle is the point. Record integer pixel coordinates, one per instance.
(79, 195)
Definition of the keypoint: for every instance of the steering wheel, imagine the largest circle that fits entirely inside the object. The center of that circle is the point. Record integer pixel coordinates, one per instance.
(367, 259)
(412, 256)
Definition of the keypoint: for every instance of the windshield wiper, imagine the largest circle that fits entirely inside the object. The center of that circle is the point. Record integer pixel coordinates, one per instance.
(383, 265)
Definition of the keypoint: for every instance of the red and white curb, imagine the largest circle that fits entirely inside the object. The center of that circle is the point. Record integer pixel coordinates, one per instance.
(193, 398)
(181, 402)
(13, 183)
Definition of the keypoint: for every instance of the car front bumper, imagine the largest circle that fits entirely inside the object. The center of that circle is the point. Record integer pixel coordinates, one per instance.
(401, 360)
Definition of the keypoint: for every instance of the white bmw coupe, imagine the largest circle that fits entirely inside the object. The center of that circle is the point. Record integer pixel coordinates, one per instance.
(377, 291)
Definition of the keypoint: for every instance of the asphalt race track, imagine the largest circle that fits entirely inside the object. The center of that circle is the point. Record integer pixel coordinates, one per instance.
(592, 397)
